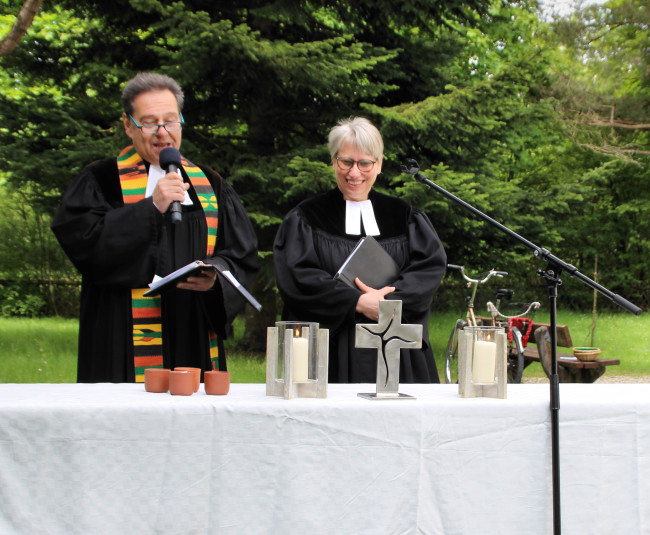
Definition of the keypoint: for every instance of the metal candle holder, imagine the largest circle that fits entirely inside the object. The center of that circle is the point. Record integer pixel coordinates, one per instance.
(482, 362)
(296, 360)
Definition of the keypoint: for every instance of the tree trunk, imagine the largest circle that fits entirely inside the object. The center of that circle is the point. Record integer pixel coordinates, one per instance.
(20, 27)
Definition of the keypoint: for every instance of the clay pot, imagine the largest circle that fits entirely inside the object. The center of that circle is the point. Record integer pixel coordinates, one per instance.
(181, 382)
(196, 373)
(156, 380)
(217, 383)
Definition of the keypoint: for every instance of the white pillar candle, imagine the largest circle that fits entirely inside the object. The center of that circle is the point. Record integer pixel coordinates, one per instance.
(299, 359)
(483, 361)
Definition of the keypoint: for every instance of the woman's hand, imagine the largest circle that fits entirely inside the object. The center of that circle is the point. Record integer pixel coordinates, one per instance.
(368, 303)
(201, 282)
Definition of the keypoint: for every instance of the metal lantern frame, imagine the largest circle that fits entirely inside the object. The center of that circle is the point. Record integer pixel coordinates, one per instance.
(280, 380)
(467, 386)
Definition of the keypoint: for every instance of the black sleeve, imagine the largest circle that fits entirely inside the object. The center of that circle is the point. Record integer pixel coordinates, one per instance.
(108, 242)
(422, 275)
(308, 291)
(236, 250)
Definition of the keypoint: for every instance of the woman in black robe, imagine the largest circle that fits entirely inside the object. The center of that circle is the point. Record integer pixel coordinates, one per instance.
(317, 236)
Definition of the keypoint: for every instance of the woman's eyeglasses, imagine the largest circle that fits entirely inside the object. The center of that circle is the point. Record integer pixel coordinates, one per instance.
(345, 164)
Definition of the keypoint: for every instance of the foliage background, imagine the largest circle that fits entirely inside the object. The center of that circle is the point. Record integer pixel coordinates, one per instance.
(542, 124)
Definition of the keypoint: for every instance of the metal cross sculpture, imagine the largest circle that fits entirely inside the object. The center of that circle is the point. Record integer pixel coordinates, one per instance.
(388, 336)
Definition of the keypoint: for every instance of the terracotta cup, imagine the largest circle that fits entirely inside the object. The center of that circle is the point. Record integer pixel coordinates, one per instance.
(217, 383)
(196, 373)
(181, 383)
(156, 379)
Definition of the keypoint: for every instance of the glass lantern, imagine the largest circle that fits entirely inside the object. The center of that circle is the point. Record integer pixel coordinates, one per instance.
(482, 362)
(296, 360)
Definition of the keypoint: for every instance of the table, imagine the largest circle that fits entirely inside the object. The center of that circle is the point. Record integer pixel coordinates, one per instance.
(114, 459)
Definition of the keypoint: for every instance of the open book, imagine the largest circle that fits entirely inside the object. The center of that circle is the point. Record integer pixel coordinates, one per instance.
(193, 268)
(161, 283)
(371, 263)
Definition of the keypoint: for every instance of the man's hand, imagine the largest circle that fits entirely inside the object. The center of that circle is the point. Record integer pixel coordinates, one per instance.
(169, 188)
(368, 303)
(201, 282)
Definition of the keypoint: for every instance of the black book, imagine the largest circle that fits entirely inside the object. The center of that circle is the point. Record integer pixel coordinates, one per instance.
(159, 285)
(371, 263)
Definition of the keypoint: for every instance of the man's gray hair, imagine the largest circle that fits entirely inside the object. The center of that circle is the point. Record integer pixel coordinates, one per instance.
(149, 81)
(358, 131)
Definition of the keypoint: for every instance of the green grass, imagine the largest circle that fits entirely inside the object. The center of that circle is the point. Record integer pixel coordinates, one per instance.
(38, 350)
(619, 335)
(246, 367)
(44, 350)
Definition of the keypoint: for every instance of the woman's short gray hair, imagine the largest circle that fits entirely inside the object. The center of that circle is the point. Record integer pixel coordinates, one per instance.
(149, 81)
(358, 131)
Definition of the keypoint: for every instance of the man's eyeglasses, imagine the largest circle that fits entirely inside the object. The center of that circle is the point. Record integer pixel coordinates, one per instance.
(345, 164)
(173, 126)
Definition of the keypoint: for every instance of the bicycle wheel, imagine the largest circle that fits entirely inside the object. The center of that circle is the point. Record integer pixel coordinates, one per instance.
(452, 348)
(516, 357)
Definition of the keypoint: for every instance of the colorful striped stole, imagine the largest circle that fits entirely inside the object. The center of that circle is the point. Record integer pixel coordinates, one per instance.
(146, 312)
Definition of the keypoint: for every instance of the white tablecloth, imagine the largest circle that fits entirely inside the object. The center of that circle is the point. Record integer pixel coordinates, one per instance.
(114, 459)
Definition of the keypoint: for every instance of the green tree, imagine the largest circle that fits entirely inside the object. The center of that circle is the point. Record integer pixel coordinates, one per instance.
(263, 81)
(602, 97)
(478, 92)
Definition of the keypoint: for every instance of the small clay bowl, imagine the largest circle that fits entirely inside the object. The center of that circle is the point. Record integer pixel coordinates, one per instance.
(196, 373)
(181, 382)
(586, 354)
(216, 383)
(156, 380)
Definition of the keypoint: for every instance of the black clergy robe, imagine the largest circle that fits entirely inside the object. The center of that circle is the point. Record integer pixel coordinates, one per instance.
(311, 245)
(117, 247)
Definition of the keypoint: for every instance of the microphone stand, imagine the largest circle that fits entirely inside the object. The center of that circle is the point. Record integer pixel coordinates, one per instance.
(554, 269)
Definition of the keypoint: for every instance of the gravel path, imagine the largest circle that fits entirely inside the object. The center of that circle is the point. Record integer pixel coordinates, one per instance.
(601, 380)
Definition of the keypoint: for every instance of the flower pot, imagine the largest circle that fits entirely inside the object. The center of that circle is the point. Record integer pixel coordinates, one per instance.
(156, 380)
(181, 382)
(216, 383)
(196, 373)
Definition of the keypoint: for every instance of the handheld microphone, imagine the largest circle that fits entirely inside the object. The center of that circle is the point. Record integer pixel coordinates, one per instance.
(170, 161)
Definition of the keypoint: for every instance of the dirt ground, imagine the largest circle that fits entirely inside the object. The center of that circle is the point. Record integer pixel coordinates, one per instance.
(601, 380)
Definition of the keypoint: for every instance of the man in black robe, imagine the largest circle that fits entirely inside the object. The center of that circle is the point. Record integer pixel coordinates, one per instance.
(115, 226)
(317, 236)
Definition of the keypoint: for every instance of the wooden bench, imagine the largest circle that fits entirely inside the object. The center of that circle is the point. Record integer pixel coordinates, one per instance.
(569, 368)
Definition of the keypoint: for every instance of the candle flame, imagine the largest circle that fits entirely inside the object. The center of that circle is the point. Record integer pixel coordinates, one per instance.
(296, 333)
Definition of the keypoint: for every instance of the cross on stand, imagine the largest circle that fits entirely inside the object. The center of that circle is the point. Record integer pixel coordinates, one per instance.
(388, 336)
